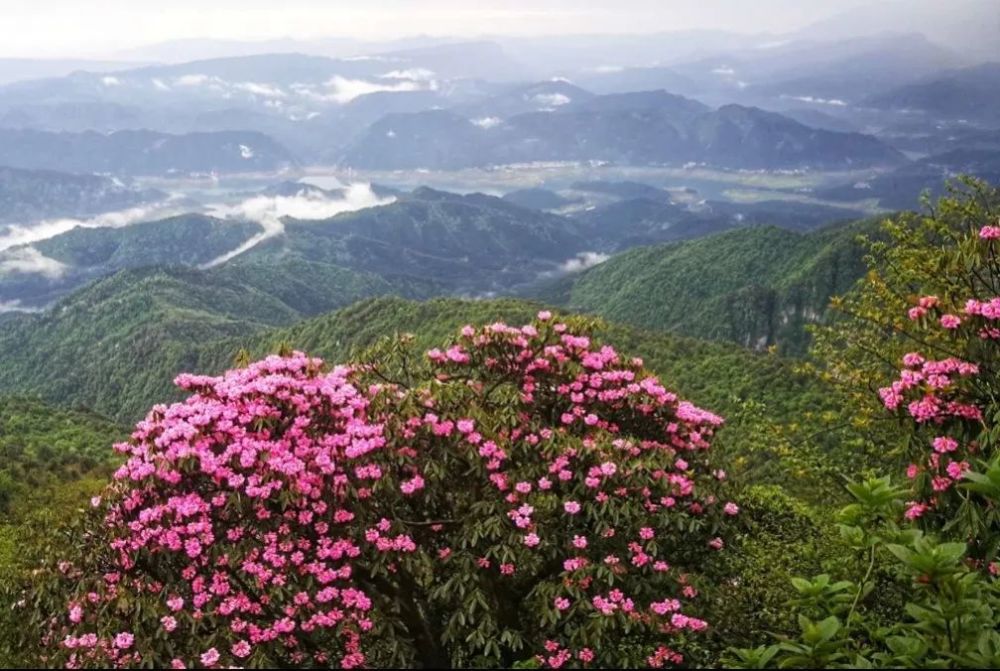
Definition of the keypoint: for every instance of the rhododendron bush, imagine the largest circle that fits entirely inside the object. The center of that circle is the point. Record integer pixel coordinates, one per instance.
(521, 495)
(945, 390)
(923, 332)
(915, 354)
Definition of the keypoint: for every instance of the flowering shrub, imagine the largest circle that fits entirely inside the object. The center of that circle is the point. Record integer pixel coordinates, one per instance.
(921, 330)
(946, 390)
(927, 594)
(520, 495)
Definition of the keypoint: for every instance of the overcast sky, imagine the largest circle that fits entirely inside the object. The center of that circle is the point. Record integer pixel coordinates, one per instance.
(88, 28)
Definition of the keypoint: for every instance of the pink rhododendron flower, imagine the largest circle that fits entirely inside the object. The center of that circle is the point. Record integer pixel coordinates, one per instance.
(950, 321)
(210, 657)
(989, 232)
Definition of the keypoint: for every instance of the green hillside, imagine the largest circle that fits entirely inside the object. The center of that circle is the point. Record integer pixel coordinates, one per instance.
(38, 440)
(51, 456)
(754, 286)
(106, 345)
(189, 239)
(117, 345)
(693, 367)
(464, 243)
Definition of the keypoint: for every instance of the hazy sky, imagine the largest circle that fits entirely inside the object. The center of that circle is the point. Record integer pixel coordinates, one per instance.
(100, 27)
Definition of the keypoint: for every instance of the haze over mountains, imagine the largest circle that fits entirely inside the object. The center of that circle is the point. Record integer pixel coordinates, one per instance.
(306, 174)
(701, 184)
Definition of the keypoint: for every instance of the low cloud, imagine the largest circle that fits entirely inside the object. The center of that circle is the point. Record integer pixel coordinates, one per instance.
(17, 235)
(258, 89)
(338, 89)
(194, 80)
(308, 205)
(343, 90)
(582, 261)
(15, 306)
(552, 99)
(28, 260)
(415, 74)
(487, 122)
(836, 102)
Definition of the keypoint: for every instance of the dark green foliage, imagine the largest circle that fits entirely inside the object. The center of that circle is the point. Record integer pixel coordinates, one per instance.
(779, 538)
(460, 243)
(51, 460)
(117, 344)
(188, 239)
(41, 445)
(914, 601)
(755, 286)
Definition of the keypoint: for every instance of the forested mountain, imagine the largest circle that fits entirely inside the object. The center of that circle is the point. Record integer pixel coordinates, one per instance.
(82, 254)
(466, 243)
(435, 240)
(43, 445)
(426, 239)
(638, 128)
(131, 334)
(757, 286)
(137, 316)
(142, 152)
(649, 220)
(27, 195)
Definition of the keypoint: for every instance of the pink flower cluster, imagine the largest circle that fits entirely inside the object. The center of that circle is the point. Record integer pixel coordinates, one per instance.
(281, 504)
(940, 395)
(240, 488)
(989, 232)
(931, 383)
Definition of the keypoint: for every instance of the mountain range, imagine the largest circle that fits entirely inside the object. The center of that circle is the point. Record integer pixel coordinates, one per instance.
(115, 343)
(764, 102)
(29, 195)
(643, 128)
(429, 241)
(141, 152)
(969, 93)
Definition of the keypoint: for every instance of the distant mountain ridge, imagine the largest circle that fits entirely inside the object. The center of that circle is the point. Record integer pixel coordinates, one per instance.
(143, 152)
(27, 195)
(971, 93)
(635, 128)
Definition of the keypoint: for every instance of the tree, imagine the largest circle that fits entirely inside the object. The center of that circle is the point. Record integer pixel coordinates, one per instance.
(522, 495)
(919, 338)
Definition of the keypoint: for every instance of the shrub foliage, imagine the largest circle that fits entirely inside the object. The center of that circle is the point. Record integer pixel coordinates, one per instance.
(522, 495)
